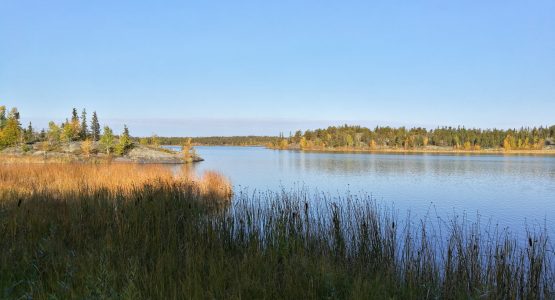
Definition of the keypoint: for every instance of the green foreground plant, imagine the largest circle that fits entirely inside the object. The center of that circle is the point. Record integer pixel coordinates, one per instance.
(163, 240)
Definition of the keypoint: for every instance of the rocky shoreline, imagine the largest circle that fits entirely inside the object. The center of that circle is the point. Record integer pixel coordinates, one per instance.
(72, 152)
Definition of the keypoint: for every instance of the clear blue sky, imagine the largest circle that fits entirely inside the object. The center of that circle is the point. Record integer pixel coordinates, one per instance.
(261, 67)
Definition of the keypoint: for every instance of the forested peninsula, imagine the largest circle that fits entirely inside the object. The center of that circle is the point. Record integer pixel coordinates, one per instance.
(418, 139)
(76, 139)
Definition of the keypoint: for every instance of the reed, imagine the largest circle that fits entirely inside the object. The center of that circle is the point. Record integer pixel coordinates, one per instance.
(125, 231)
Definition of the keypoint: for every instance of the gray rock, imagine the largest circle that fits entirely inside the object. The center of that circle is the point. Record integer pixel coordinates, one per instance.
(146, 154)
(137, 154)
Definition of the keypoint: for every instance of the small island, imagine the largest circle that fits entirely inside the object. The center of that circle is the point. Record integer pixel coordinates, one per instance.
(75, 141)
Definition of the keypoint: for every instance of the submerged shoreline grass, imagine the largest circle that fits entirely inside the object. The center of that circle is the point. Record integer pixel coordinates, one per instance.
(123, 232)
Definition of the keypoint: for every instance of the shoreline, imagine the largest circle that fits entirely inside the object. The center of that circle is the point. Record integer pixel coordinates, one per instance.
(544, 152)
(73, 153)
(35, 159)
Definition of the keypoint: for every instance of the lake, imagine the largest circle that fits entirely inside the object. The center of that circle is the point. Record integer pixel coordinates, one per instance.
(509, 190)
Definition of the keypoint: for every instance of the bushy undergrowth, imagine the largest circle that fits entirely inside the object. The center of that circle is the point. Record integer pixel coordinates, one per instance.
(161, 237)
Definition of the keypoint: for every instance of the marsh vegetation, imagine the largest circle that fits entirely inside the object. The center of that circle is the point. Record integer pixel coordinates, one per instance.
(128, 231)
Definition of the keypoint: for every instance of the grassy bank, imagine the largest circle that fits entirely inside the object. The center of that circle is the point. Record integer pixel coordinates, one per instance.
(130, 232)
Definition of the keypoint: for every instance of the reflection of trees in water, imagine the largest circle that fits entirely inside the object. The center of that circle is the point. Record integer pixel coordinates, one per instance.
(415, 165)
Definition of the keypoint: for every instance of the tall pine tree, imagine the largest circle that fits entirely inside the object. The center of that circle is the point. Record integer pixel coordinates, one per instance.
(74, 116)
(95, 127)
(29, 133)
(3, 118)
(84, 133)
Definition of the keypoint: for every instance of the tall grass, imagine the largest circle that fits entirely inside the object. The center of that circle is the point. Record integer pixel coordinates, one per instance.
(61, 180)
(121, 231)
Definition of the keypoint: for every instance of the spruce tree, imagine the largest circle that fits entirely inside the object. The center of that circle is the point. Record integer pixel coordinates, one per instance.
(124, 141)
(29, 133)
(42, 135)
(3, 118)
(95, 127)
(74, 116)
(84, 133)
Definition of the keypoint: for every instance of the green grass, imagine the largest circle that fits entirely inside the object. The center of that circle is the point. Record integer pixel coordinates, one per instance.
(163, 241)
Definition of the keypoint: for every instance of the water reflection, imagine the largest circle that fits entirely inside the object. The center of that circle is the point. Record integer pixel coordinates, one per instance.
(509, 190)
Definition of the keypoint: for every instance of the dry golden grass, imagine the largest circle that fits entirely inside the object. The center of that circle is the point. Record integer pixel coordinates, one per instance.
(64, 178)
(215, 185)
(50, 159)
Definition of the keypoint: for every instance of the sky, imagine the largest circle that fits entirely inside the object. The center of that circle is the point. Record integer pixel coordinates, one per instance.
(198, 68)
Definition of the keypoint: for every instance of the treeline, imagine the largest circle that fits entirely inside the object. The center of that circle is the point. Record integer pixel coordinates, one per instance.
(211, 140)
(358, 137)
(74, 129)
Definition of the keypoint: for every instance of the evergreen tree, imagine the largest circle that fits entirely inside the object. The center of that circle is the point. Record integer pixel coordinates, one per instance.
(84, 133)
(3, 118)
(95, 127)
(42, 135)
(74, 116)
(124, 142)
(126, 131)
(74, 130)
(29, 133)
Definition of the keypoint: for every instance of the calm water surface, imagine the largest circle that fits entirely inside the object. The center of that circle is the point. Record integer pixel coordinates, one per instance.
(509, 190)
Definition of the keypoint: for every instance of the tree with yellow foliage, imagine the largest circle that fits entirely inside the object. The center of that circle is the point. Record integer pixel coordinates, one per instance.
(53, 134)
(186, 149)
(540, 144)
(349, 140)
(508, 142)
(86, 147)
(283, 144)
(467, 146)
(526, 143)
(303, 143)
(10, 133)
(155, 141)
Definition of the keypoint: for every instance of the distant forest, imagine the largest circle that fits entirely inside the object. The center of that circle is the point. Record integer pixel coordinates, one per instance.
(358, 137)
(212, 140)
(77, 128)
